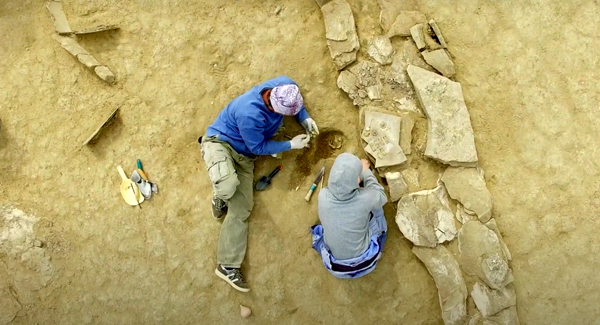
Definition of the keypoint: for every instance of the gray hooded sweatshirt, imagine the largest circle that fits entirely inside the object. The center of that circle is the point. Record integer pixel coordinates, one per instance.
(344, 208)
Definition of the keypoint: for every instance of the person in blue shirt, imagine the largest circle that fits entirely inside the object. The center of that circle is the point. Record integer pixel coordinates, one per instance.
(242, 131)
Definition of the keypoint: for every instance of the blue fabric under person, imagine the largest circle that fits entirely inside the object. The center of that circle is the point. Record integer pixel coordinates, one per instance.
(378, 227)
(248, 125)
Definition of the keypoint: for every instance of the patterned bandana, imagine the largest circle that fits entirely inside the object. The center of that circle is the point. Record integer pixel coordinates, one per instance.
(286, 100)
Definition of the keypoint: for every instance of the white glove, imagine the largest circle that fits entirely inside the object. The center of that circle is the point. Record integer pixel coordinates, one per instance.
(310, 126)
(299, 141)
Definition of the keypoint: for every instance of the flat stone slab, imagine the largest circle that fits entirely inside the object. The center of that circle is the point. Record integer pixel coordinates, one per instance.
(340, 31)
(390, 9)
(404, 21)
(88, 60)
(493, 269)
(415, 225)
(493, 226)
(424, 217)
(105, 74)
(467, 186)
(70, 45)
(96, 29)
(406, 127)
(490, 301)
(452, 291)
(450, 138)
(396, 185)
(94, 136)
(438, 33)
(481, 255)
(417, 35)
(83, 56)
(441, 61)
(61, 24)
(381, 50)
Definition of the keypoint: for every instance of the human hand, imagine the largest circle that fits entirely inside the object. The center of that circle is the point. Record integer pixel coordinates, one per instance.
(299, 141)
(365, 164)
(310, 126)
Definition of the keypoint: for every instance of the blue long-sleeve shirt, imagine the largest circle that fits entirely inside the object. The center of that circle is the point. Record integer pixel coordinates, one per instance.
(247, 124)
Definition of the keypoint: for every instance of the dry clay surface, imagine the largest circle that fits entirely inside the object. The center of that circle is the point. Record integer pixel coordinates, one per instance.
(529, 73)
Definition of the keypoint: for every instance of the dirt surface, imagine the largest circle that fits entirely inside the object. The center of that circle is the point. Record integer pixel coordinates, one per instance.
(529, 72)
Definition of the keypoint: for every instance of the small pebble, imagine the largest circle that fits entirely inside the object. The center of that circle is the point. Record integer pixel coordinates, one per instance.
(278, 10)
(37, 243)
(245, 312)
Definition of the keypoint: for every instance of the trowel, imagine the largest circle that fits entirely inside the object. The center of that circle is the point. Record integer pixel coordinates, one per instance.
(129, 190)
(265, 181)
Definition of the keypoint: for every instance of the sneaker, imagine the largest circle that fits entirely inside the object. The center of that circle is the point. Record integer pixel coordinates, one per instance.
(233, 277)
(219, 208)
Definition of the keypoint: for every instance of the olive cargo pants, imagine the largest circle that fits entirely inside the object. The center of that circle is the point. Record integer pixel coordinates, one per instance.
(232, 176)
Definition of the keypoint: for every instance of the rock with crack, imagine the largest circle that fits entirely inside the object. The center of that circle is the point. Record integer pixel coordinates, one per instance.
(508, 316)
(441, 61)
(450, 138)
(490, 301)
(467, 185)
(452, 291)
(415, 225)
(463, 216)
(481, 255)
(404, 21)
(424, 217)
(493, 226)
(397, 185)
(340, 31)
(445, 229)
(381, 50)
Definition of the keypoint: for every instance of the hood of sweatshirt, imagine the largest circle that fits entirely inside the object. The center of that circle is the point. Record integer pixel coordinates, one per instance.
(343, 177)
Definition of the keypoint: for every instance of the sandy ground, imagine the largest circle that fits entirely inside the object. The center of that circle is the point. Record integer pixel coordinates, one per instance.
(529, 71)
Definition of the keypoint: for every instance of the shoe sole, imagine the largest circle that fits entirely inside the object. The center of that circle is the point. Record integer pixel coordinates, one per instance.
(220, 275)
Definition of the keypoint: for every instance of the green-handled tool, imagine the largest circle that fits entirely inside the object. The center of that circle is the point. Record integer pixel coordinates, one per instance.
(314, 184)
(140, 170)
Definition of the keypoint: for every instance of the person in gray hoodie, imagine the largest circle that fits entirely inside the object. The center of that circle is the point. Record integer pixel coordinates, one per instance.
(353, 229)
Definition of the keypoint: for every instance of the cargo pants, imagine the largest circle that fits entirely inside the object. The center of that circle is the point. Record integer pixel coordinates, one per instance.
(232, 176)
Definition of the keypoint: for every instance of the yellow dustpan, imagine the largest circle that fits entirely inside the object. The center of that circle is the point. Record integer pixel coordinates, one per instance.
(129, 190)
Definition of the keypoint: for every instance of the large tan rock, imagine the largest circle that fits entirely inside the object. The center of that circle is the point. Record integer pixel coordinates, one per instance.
(340, 31)
(490, 301)
(425, 219)
(404, 21)
(441, 61)
(481, 255)
(452, 291)
(450, 138)
(467, 186)
(381, 50)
